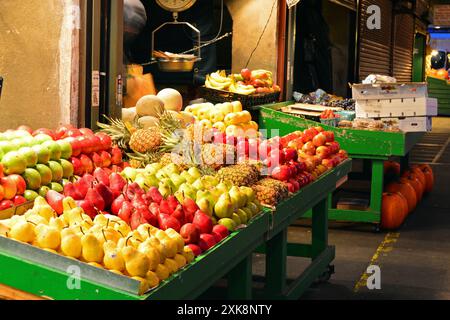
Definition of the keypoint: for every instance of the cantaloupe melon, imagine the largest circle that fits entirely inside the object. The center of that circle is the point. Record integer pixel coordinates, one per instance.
(172, 99)
(148, 122)
(128, 114)
(149, 105)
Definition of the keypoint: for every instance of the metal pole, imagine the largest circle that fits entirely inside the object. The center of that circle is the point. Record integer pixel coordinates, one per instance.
(94, 78)
(291, 34)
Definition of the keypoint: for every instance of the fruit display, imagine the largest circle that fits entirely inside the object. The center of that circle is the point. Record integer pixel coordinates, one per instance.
(328, 114)
(320, 97)
(247, 82)
(146, 254)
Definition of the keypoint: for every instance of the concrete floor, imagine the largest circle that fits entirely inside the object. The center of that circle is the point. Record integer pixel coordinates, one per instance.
(415, 264)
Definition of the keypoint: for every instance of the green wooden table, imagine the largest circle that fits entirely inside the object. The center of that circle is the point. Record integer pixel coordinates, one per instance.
(373, 146)
(277, 247)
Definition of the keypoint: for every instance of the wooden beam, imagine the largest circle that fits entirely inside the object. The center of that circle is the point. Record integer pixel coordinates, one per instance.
(281, 43)
(9, 293)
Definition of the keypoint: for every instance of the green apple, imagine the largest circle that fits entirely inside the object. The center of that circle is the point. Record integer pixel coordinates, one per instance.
(6, 146)
(161, 174)
(66, 149)
(45, 172)
(55, 186)
(140, 180)
(8, 135)
(195, 172)
(228, 223)
(43, 191)
(30, 156)
(28, 141)
(22, 134)
(67, 168)
(57, 170)
(171, 168)
(64, 182)
(177, 180)
(188, 191)
(30, 195)
(129, 173)
(152, 181)
(55, 149)
(186, 176)
(18, 143)
(42, 152)
(13, 162)
(198, 184)
(41, 138)
(32, 178)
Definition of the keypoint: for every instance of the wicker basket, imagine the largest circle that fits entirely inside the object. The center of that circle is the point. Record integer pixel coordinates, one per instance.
(247, 101)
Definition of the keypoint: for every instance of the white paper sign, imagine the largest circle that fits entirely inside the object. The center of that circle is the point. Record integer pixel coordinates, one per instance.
(292, 3)
(95, 88)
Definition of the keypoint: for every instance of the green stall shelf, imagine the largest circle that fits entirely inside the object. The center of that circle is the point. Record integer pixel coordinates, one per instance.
(373, 146)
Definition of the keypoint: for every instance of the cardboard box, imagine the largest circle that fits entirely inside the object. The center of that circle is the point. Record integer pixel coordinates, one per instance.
(411, 124)
(390, 90)
(389, 108)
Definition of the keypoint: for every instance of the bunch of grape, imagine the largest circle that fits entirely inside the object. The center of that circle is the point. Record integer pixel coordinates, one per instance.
(346, 104)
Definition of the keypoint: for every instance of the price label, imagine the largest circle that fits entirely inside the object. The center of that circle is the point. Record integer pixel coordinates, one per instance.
(291, 3)
(95, 95)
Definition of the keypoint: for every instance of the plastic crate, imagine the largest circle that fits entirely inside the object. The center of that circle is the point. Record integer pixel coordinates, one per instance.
(332, 122)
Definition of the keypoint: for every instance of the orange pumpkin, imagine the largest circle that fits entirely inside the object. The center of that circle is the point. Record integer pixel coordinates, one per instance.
(419, 174)
(429, 176)
(391, 168)
(394, 209)
(412, 178)
(406, 190)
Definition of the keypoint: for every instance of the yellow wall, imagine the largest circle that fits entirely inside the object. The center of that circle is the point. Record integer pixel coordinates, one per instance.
(249, 18)
(31, 49)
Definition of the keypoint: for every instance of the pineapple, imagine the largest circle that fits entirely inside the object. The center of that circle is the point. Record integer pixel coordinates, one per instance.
(145, 140)
(217, 155)
(119, 131)
(239, 174)
(270, 191)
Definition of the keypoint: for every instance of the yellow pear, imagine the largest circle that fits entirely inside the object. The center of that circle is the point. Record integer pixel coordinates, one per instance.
(73, 215)
(36, 219)
(50, 250)
(95, 264)
(160, 234)
(152, 253)
(145, 230)
(47, 237)
(46, 211)
(69, 204)
(144, 286)
(23, 231)
(116, 272)
(4, 229)
(39, 201)
(162, 272)
(159, 247)
(70, 244)
(123, 228)
(92, 250)
(171, 265)
(101, 220)
(57, 223)
(188, 254)
(180, 260)
(152, 279)
(177, 238)
(169, 247)
(136, 263)
(113, 259)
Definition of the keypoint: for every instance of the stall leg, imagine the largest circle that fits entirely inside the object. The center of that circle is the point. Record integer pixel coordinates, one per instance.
(240, 281)
(276, 265)
(376, 191)
(319, 228)
(404, 162)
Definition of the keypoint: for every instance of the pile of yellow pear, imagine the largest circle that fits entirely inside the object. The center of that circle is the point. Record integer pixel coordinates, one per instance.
(147, 254)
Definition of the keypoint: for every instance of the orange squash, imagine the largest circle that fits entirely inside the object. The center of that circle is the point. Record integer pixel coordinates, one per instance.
(419, 174)
(429, 176)
(412, 178)
(394, 209)
(391, 168)
(406, 190)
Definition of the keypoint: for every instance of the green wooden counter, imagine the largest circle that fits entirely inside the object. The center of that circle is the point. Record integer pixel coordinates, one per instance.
(374, 146)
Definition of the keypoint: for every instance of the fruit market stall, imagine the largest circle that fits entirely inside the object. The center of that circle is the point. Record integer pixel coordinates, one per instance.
(146, 206)
(372, 145)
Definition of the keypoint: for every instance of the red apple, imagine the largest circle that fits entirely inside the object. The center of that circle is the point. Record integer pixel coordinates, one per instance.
(329, 135)
(319, 140)
(281, 173)
(309, 148)
(18, 200)
(78, 168)
(290, 154)
(76, 147)
(21, 185)
(105, 140)
(9, 187)
(195, 249)
(206, 241)
(190, 233)
(116, 155)
(246, 74)
(86, 132)
(106, 159)
(319, 129)
(25, 128)
(323, 152)
(203, 222)
(220, 230)
(72, 132)
(6, 204)
(87, 164)
(96, 160)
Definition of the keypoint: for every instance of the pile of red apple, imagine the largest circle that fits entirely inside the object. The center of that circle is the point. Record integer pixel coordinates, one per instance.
(12, 189)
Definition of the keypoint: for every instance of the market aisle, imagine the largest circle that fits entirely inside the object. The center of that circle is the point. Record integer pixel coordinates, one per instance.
(415, 266)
